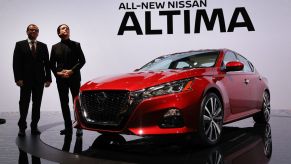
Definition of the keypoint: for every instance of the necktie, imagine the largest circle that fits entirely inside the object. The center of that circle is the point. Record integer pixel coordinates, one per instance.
(33, 48)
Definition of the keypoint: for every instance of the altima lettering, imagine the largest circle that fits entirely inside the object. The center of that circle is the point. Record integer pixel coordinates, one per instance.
(201, 15)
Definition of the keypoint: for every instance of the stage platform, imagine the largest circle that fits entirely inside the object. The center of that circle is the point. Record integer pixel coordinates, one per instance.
(242, 142)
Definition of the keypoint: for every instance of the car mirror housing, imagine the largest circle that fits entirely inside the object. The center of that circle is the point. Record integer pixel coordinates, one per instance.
(234, 66)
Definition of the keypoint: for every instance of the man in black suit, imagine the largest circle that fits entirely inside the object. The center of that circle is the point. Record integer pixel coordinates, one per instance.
(66, 60)
(31, 74)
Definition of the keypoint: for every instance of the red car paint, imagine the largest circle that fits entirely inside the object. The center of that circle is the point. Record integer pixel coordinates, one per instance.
(241, 94)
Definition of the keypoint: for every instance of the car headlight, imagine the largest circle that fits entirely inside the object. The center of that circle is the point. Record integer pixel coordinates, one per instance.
(168, 88)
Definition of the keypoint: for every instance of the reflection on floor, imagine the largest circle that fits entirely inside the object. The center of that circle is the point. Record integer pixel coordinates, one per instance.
(250, 144)
(242, 141)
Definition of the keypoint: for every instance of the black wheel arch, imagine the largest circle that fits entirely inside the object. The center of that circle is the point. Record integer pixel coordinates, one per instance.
(216, 91)
(268, 91)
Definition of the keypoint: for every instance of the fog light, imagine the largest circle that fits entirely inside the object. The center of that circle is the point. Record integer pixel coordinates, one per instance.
(172, 119)
(172, 112)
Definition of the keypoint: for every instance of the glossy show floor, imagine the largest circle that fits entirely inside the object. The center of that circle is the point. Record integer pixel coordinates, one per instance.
(242, 142)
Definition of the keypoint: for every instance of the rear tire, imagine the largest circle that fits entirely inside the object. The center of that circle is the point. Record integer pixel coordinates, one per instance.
(211, 119)
(264, 115)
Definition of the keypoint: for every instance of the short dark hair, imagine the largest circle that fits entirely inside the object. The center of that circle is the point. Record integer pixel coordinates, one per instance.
(27, 28)
(59, 28)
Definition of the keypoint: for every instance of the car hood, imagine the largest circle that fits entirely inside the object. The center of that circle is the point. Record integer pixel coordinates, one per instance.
(140, 80)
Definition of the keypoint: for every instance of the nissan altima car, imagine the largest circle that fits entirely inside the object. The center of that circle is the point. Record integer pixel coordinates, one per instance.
(194, 92)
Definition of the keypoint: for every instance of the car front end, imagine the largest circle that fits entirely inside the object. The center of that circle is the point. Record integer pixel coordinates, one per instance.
(162, 97)
(167, 108)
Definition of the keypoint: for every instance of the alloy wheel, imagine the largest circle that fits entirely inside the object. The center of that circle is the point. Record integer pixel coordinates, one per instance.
(266, 106)
(212, 118)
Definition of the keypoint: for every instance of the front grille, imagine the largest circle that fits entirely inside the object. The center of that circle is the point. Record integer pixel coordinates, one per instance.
(105, 108)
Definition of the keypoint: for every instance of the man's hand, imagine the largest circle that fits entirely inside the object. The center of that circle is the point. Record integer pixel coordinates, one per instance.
(65, 73)
(19, 83)
(61, 74)
(68, 73)
(47, 84)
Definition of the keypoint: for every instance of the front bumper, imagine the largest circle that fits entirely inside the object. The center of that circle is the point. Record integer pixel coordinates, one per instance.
(146, 116)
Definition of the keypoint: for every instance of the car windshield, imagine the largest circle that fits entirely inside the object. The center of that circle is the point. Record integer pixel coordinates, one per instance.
(185, 60)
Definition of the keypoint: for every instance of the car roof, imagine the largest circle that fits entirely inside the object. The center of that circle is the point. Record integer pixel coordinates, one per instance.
(197, 51)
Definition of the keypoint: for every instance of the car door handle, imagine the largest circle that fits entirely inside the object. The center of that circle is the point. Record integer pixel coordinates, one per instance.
(246, 81)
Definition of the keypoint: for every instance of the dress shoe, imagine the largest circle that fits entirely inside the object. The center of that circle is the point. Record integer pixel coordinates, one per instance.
(21, 133)
(35, 132)
(79, 132)
(2, 121)
(66, 132)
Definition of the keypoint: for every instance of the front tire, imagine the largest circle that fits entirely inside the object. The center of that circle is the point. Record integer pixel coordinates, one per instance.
(211, 119)
(264, 115)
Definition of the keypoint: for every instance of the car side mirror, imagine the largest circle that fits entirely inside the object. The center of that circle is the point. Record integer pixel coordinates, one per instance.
(234, 66)
(136, 70)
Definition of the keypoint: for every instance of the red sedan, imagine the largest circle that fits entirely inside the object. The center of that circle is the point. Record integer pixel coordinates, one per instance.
(187, 92)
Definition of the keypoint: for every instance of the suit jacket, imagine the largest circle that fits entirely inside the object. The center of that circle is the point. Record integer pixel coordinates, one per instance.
(67, 54)
(30, 69)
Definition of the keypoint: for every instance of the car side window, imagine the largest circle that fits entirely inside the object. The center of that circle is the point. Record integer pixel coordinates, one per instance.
(247, 67)
(183, 64)
(229, 56)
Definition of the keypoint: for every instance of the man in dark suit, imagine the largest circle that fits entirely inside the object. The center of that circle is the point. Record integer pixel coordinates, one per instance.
(31, 74)
(66, 60)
